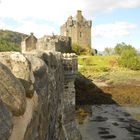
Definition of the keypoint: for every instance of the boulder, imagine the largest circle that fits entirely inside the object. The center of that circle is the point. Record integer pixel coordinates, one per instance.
(21, 68)
(6, 124)
(12, 92)
(38, 65)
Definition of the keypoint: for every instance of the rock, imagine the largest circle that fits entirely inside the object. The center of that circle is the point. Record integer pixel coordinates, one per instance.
(12, 92)
(21, 68)
(22, 124)
(5, 122)
(38, 65)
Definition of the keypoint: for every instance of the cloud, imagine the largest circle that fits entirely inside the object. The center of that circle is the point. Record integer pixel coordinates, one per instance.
(39, 30)
(54, 11)
(58, 10)
(111, 30)
(51, 10)
(103, 5)
(27, 26)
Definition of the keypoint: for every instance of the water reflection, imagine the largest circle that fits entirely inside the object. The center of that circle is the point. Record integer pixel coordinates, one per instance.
(105, 122)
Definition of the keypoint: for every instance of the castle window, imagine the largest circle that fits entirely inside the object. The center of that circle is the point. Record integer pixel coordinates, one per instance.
(81, 34)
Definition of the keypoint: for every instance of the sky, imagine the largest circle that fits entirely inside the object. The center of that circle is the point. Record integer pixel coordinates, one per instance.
(113, 21)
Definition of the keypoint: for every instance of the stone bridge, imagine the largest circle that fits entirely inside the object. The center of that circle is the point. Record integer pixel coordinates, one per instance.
(37, 96)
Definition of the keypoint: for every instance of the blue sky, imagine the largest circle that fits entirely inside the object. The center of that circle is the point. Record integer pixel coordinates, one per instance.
(114, 21)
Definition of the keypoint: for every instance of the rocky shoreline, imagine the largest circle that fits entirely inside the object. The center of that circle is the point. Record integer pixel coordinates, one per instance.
(89, 92)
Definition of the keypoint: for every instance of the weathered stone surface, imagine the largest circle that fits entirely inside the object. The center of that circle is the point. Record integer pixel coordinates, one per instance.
(6, 124)
(38, 65)
(68, 116)
(21, 123)
(55, 43)
(49, 88)
(49, 113)
(29, 43)
(21, 68)
(12, 92)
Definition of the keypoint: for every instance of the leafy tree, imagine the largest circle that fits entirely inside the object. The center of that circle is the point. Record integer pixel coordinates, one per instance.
(120, 47)
(129, 58)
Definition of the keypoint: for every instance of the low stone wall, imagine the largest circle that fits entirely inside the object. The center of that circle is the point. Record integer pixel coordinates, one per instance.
(37, 96)
(55, 43)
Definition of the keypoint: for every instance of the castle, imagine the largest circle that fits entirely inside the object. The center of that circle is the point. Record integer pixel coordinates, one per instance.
(79, 29)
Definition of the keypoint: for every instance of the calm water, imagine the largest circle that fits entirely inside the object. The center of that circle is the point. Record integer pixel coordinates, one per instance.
(111, 122)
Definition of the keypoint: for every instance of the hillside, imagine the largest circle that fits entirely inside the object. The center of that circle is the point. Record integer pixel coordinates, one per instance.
(10, 40)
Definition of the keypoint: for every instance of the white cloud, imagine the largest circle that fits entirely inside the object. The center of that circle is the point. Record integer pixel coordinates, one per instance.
(110, 30)
(39, 30)
(103, 5)
(57, 11)
(51, 10)
(27, 27)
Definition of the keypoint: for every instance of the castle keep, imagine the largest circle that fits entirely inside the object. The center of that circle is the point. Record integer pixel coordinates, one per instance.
(79, 29)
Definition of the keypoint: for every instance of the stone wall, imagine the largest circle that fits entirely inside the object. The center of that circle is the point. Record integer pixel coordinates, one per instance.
(29, 43)
(55, 43)
(37, 96)
(52, 43)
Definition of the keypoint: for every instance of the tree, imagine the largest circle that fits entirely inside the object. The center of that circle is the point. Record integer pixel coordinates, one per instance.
(120, 47)
(129, 57)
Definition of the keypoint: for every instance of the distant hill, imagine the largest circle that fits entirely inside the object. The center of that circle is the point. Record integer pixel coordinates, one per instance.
(10, 40)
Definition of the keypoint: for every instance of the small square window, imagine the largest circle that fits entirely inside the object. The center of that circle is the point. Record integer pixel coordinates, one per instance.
(81, 34)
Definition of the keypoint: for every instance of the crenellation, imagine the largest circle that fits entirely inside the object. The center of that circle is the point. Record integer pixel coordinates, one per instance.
(70, 64)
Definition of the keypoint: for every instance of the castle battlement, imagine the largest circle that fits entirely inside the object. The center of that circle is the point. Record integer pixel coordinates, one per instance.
(70, 65)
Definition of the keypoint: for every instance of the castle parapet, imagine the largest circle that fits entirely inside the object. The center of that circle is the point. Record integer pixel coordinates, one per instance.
(52, 43)
(70, 64)
(55, 43)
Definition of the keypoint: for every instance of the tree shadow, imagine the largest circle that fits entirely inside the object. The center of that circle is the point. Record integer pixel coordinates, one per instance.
(87, 93)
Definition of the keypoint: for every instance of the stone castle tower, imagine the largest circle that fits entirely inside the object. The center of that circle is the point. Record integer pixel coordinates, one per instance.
(79, 29)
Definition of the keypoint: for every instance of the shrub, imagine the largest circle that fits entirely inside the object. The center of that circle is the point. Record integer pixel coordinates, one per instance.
(6, 46)
(120, 47)
(79, 50)
(130, 59)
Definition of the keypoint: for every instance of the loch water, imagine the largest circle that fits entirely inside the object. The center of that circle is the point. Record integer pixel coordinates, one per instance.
(111, 122)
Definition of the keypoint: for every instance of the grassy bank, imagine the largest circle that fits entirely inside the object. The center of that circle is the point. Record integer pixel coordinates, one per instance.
(102, 81)
(105, 69)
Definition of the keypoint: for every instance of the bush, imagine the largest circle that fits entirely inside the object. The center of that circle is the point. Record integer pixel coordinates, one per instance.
(6, 46)
(79, 50)
(120, 47)
(130, 59)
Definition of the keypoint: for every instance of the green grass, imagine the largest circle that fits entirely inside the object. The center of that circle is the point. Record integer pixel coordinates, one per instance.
(106, 68)
(94, 65)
